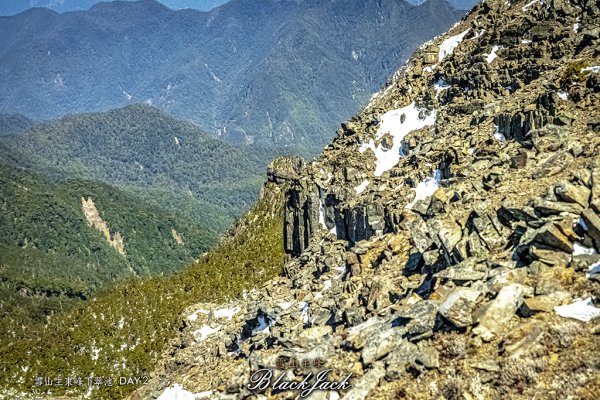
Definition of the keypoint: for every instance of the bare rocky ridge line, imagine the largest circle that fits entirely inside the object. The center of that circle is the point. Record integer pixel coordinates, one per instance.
(445, 245)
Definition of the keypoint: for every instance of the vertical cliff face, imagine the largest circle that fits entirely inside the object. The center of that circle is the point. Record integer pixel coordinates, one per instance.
(445, 244)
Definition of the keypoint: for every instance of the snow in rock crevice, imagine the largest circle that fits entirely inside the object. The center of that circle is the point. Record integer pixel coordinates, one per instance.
(264, 325)
(440, 85)
(491, 56)
(595, 69)
(363, 185)
(564, 96)
(204, 332)
(593, 271)
(447, 46)
(531, 3)
(579, 249)
(426, 188)
(226, 312)
(498, 135)
(194, 316)
(392, 123)
(582, 310)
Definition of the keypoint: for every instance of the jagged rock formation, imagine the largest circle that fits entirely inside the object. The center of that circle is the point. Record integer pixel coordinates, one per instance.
(445, 245)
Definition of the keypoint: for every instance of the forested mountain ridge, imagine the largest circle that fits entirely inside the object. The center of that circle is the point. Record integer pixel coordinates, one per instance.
(268, 72)
(170, 163)
(124, 329)
(13, 7)
(62, 242)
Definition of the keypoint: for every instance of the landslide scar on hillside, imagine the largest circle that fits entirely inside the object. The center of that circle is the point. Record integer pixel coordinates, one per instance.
(93, 217)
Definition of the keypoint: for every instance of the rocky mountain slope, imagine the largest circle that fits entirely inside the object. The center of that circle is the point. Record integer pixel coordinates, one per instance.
(265, 72)
(445, 244)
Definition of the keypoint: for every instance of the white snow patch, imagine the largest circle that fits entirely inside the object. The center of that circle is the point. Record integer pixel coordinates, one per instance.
(391, 123)
(194, 316)
(361, 188)
(204, 332)
(355, 55)
(226, 312)
(576, 27)
(579, 249)
(322, 209)
(129, 96)
(499, 136)
(342, 269)
(564, 96)
(322, 215)
(447, 47)
(177, 392)
(304, 307)
(284, 306)
(263, 325)
(492, 55)
(440, 86)
(121, 323)
(525, 41)
(582, 310)
(477, 35)
(426, 188)
(526, 6)
(595, 69)
(593, 271)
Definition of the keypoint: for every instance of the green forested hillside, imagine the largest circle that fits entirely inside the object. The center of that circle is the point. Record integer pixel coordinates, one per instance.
(167, 162)
(50, 256)
(122, 331)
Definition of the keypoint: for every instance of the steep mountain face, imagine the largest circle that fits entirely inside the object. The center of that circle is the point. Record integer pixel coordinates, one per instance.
(445, 245)
(269, 72)
(13, 7)
(169, 163)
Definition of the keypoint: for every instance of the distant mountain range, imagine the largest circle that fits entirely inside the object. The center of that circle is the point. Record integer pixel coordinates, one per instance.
(267, 72)
(13, 7)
